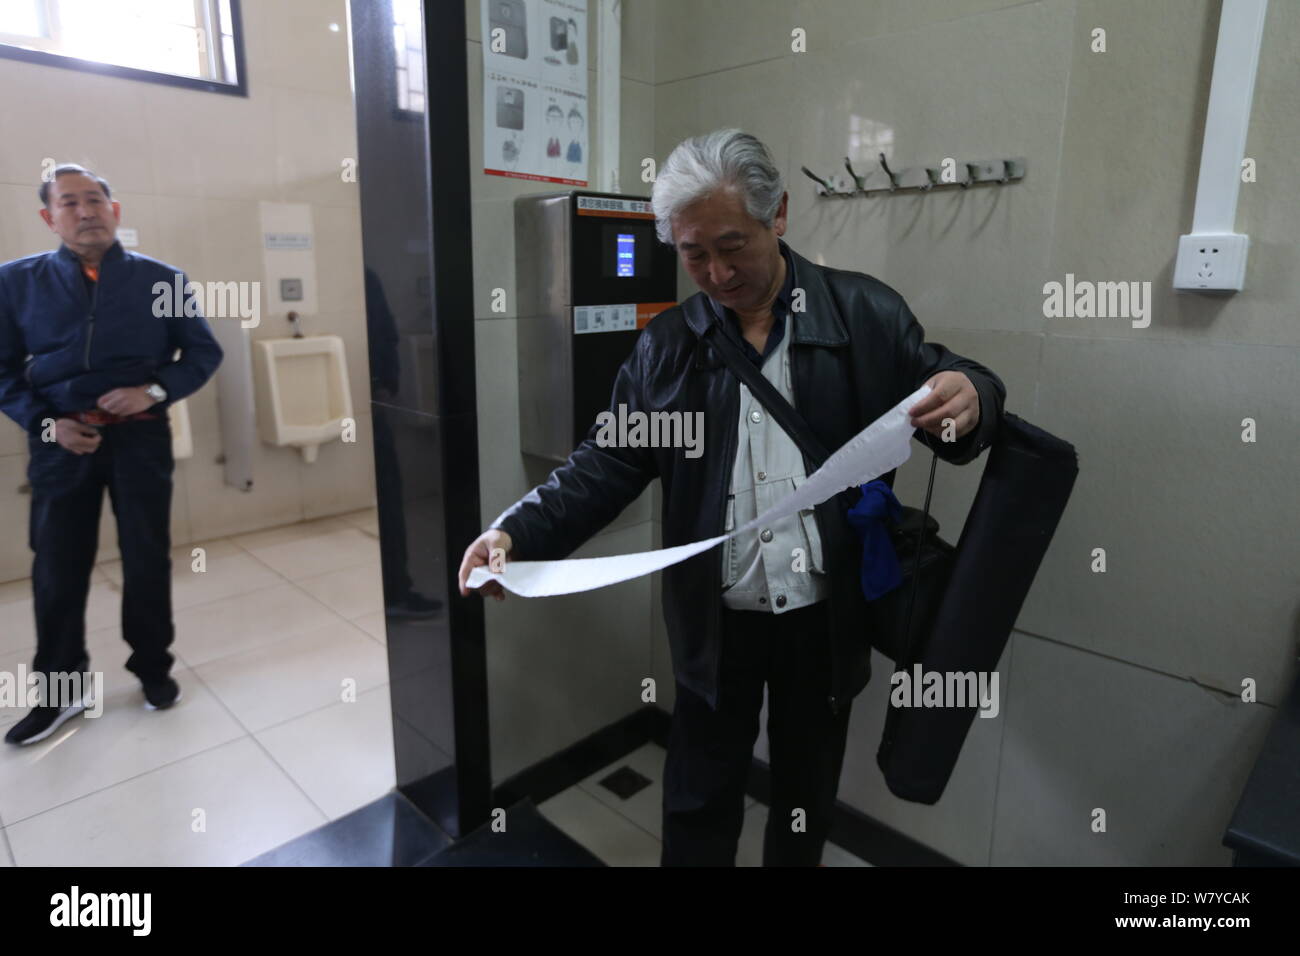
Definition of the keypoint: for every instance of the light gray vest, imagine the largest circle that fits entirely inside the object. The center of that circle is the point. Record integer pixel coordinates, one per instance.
(759, 567)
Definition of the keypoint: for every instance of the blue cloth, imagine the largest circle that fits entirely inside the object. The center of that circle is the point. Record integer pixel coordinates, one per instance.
(55, 358)
(881, 572)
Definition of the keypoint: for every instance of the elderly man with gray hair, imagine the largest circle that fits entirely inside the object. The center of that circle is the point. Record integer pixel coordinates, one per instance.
(842, 348)
(88, 368)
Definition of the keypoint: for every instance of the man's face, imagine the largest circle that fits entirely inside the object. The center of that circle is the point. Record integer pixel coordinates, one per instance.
(79, 212)
(731, 255)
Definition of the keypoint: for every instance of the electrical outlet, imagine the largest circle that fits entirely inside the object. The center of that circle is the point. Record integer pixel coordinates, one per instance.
(1211, 261)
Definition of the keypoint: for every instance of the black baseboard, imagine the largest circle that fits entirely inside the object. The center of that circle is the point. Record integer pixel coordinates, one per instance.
(559, 772)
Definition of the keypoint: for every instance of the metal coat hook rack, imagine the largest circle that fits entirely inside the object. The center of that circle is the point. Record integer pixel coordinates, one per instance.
(922, 179)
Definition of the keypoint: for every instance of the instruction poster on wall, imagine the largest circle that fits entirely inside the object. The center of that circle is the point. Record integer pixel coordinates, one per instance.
(535, 107)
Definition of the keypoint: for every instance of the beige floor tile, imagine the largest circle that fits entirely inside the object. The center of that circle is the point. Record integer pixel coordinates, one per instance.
(249, 806)
(350, 592)
(309, 747)
(225, 576)
(374, 625)
(18, 590)
(606, 833)
(270, 537)
(18, 625)
(88, 754)
(295, 676)
(834, 855)
(183, 558)
(206, 632)
(307, 557)
(644, 808)
(749, 852)
(367, 519)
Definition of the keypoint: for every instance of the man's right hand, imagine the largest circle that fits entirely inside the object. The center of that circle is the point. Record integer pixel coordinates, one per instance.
(479, 554)
(75, 437)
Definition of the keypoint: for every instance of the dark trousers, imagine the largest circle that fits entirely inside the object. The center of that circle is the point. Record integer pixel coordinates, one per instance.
(389, 504)
(709, 752)
(134, 462)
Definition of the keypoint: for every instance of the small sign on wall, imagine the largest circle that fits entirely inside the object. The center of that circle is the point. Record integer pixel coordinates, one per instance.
(288, 253)
(129, 238)
(288, 240)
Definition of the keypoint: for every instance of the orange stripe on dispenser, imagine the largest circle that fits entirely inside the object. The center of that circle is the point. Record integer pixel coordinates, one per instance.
(645, 311)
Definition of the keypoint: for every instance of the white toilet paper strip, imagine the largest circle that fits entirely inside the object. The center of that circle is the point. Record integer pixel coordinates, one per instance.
(880, 447)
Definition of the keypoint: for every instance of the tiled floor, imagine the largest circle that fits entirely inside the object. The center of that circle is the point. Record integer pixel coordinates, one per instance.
(261, 748)
(627, 832)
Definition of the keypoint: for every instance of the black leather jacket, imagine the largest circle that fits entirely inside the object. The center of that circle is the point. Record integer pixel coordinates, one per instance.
(857, 351)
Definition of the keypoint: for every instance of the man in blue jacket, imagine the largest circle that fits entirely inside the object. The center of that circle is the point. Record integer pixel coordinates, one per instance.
(88, 368)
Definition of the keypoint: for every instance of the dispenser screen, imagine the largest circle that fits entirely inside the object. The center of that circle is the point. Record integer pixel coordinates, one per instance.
(626, 254)
(626, 250)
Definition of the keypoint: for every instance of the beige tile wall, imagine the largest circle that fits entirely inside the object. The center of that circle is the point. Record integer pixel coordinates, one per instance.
(1118, 691)
(190, 169)
(559, 668)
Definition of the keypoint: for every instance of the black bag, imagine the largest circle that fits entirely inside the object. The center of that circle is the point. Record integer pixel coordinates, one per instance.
(899, 620)
(1022, 494)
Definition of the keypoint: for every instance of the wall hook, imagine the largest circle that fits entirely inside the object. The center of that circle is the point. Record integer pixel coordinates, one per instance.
(857, 180)
(830, 191)
(922, 179)
(893, 182)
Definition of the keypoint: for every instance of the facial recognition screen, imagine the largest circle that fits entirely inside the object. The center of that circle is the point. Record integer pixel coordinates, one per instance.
(626, 254)
(625, 249)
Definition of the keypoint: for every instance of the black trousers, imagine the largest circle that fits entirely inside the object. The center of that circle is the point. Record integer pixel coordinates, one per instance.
(392, 520)
(709, 752)
(134, 462)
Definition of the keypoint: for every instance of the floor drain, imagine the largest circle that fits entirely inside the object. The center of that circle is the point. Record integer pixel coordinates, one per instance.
(625, 782)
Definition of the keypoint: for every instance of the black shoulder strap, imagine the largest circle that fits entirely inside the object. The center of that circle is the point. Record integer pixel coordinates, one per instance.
(785, 414)
(798, 429)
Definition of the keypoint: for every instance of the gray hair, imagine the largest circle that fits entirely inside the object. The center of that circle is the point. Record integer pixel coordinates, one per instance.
(66, 169)
(704, 164)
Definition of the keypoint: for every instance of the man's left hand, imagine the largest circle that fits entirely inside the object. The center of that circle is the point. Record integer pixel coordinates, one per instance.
(952, 395)
(126, 401)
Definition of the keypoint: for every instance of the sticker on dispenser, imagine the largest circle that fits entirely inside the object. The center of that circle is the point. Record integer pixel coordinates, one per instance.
(604, 318)
(620, 208)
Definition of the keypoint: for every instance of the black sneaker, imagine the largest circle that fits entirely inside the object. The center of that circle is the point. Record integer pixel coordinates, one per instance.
(160, 695)
(40, 723)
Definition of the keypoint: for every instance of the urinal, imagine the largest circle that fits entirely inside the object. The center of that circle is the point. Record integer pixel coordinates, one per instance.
(303, 390)
(182, 434)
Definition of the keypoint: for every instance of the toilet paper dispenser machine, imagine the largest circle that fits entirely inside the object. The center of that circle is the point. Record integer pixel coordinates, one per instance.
(589, 274)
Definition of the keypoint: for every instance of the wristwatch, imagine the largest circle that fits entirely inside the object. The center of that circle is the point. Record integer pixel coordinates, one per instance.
(156, 392)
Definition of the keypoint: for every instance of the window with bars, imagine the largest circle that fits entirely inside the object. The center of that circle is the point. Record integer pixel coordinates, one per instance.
(182, 42)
